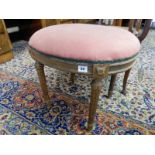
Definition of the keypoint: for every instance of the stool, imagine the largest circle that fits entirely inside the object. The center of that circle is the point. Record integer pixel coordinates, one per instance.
(93, 50)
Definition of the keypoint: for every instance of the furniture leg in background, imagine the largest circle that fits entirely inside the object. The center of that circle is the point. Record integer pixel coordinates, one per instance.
(6, 53)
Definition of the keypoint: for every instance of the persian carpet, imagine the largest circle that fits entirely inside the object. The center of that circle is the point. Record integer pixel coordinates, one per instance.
(23, 112)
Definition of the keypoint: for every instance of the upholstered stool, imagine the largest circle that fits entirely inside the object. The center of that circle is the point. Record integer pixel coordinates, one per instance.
(93, 50)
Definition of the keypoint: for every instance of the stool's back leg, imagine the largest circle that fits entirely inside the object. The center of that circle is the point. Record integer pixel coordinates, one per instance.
(125, 81)
(112, 83)
(72, 78)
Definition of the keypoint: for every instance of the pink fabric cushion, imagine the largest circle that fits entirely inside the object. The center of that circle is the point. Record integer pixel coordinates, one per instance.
(85, 42)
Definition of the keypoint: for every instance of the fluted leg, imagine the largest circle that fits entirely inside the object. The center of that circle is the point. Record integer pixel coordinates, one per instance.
(125, 81)
(112, 83)
(96, 86)
(42, 80)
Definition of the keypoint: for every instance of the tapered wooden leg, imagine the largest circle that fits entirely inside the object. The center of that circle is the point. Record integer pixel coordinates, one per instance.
(96, 86)
(72, 78)
(42, 79)
(112, 83)
(125, 81)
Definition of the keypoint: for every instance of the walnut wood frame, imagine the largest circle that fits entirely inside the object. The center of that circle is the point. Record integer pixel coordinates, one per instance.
(97, 71)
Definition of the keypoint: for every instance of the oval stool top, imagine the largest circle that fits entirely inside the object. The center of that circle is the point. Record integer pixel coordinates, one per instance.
(85, 42)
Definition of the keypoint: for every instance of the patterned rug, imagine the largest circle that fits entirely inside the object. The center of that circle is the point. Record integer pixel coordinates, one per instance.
(23, 112)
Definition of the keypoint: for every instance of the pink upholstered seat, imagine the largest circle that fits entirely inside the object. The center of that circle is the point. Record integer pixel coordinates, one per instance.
(85, 42)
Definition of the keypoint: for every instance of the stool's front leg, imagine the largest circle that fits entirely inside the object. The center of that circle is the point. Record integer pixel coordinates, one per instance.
(99, 72)
(42, 80)
(96, 86)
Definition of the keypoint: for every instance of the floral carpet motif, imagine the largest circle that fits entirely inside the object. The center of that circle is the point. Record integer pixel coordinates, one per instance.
(23, 112)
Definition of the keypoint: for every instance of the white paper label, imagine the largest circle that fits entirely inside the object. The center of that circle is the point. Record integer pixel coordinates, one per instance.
(83, 69)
